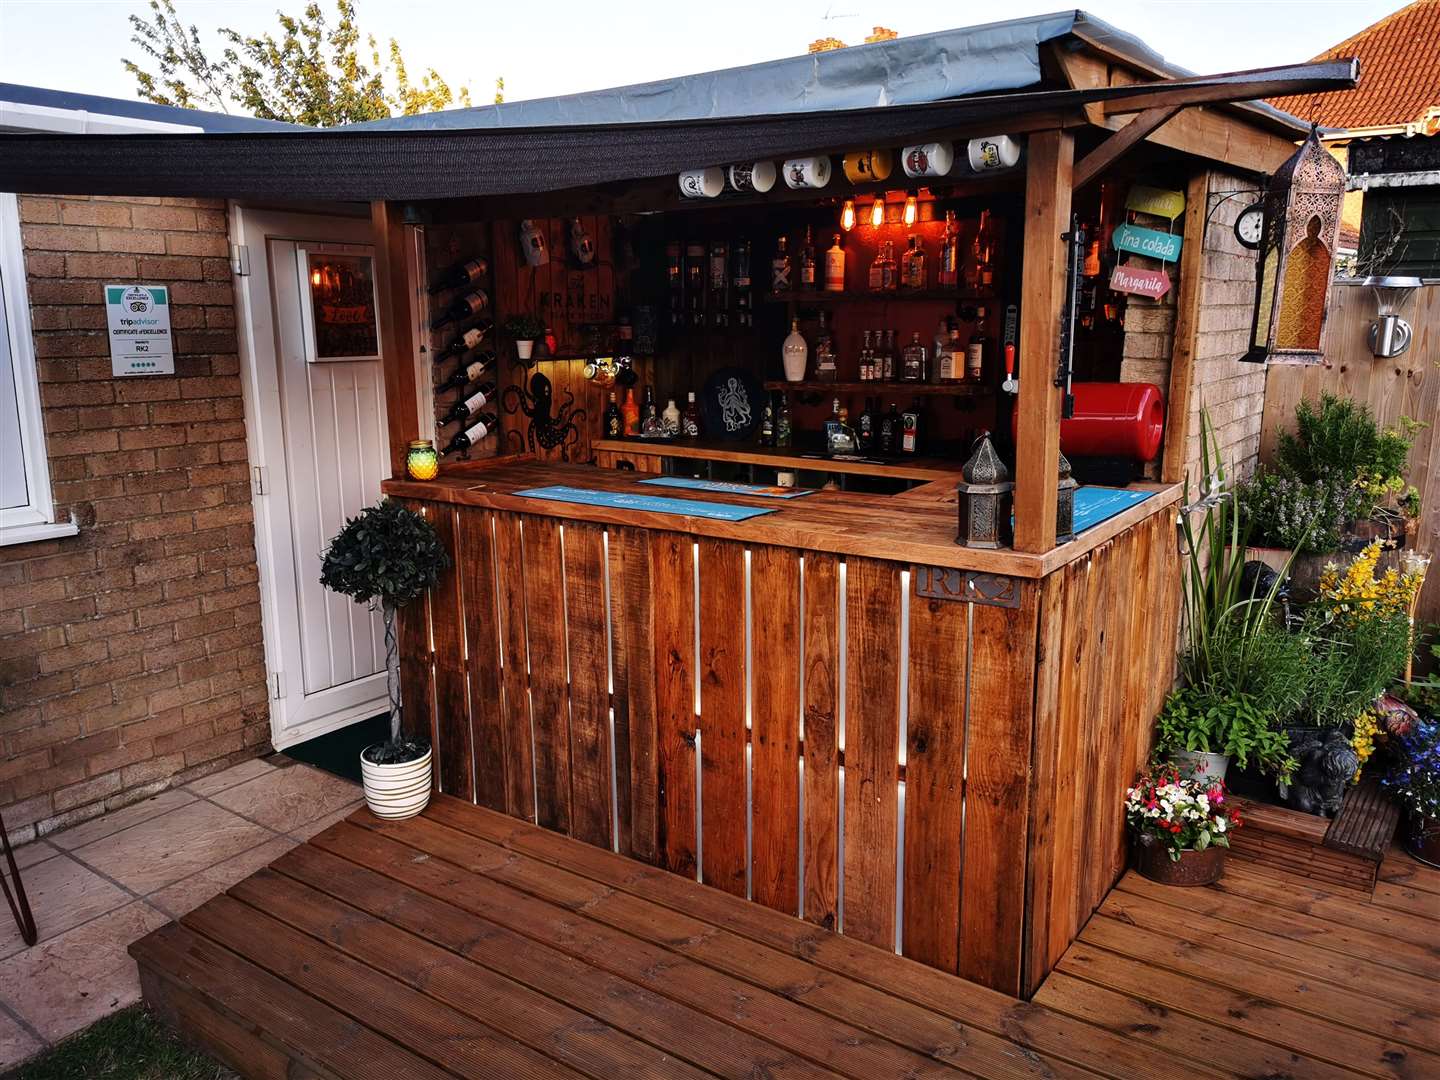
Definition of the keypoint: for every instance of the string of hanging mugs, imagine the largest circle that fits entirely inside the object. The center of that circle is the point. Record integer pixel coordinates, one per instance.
(922, 161)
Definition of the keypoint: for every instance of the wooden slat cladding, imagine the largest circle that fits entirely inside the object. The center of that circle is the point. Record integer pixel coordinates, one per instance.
(736, 713)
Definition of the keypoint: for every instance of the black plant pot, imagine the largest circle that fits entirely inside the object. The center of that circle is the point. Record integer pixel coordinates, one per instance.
(1251, 783)
(1326, 763)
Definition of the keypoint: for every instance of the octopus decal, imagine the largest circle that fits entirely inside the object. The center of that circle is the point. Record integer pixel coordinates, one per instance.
(548, 428)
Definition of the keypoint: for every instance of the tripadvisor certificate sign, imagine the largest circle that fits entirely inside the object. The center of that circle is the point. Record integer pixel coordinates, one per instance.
(138, 317)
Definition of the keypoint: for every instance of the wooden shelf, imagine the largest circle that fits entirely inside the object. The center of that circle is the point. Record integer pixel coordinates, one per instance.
(885, 389)
(853, 297)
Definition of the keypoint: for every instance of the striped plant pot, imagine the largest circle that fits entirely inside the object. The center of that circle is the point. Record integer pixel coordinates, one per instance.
(397, 791)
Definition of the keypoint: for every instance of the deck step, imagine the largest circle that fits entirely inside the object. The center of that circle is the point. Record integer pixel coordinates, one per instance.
(1366, 823)
(1299, 844)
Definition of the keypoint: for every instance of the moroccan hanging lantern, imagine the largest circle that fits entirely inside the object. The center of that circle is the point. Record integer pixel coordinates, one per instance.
(986, 495)
(1301, 207)
(1065, 503)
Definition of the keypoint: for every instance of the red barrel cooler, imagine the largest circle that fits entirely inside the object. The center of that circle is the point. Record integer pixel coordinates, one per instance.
(1112, 420)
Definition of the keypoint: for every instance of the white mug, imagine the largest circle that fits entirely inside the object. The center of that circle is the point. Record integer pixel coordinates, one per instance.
(785, 478)
(757, 176)
(702, 183)
(807, 172)
(993, 152)
(928, 159)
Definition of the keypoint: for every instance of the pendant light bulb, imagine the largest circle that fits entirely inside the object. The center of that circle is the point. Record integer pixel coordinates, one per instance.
(912, 209)
(877, 211)
(847, 215)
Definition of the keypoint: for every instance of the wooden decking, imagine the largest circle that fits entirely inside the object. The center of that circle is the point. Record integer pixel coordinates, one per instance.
(467, 943)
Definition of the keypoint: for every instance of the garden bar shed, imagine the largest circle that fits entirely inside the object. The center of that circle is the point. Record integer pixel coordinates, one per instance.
(776, 653)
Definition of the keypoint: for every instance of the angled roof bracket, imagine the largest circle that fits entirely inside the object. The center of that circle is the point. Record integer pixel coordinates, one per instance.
(1120, 143)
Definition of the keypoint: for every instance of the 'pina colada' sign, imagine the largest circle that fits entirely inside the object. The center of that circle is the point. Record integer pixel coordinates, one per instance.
(1138, 240)
(1140, 281)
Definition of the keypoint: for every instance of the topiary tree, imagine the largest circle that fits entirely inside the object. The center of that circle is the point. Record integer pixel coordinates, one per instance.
(386, 555)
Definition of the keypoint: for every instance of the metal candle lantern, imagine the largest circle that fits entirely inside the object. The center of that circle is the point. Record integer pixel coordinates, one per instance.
(985, 499)
(421, 462)
(1297, 256)
(1065, 504)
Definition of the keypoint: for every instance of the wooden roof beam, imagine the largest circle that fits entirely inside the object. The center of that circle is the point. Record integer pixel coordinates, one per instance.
(1117, 145)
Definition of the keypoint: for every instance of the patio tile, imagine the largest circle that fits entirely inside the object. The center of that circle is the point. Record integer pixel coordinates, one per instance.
(123, 818)
(189, 893)
(62, 894)
(163, 850)
(286, 799)
(34, 852)
(70, 981)
(304, 832)
(16, 1044)
(208, 786)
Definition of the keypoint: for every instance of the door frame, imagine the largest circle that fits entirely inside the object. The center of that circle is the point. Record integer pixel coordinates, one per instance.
(264, 431)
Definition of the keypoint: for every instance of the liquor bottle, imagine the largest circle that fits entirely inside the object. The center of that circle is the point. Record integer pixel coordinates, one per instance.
(460, 275)
(948, 275)
(865, 426)
(462, 307)
(835, 266)
(913, 360)
(876, 278)
(890, 356)
(784, 429)
(767, 423)
(675, 283)
(939, 350)
(670, 418)
(462, 344)
(649, 413)
(471, 436)
(912, 429)
(794, 352)
(719, 284)
(630, 412)
(912, 271)
(466, 374)
(740, 282)
(613, 421)
(839, 438)
(471, 406)
(695, 281)
(952, 363)
(889, 434)
(825, 367)
(867, 359)
(807, 261)
(978, 272)
(975, 353)
(690, 421)
(889, 269)
(987, 249)
(780, 267)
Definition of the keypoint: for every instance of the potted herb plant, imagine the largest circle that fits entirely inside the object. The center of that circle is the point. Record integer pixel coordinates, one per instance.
(1179, 827)
(388, 555)
(524, 330)
(1414, 782)
(1203, 732)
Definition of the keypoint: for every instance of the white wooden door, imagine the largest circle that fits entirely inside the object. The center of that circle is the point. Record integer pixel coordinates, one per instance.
(319, 449)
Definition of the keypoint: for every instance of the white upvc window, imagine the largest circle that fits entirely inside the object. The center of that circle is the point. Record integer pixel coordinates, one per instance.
(27, 503)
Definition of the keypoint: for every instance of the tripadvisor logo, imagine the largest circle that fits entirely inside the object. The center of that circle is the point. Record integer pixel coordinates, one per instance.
(137, 300)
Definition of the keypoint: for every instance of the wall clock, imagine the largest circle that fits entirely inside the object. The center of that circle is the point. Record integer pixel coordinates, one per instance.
(1250, 226)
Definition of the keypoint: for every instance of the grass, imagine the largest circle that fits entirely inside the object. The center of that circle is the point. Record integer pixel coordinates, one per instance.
(130, 1045)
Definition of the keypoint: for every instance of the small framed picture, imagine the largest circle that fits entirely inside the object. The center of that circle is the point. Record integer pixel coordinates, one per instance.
(338, 290)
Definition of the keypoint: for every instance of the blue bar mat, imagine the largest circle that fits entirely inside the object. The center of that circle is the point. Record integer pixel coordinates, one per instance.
(656, 504)
(762, 490)
(1096, 504)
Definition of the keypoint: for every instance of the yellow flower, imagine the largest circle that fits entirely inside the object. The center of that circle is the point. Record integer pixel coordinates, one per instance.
(1357, 588)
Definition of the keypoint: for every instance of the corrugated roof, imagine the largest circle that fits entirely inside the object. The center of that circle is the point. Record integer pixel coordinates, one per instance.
(1400, 56)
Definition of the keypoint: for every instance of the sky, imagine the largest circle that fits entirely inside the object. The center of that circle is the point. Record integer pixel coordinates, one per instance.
(563, 46)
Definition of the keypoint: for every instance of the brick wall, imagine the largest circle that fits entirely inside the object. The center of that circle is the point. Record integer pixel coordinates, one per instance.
(131, 655)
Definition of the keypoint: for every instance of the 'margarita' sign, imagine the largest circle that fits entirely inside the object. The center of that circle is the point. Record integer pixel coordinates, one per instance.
(138, 318)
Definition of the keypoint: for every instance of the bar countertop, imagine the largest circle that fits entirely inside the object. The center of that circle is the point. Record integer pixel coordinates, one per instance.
(898, 528)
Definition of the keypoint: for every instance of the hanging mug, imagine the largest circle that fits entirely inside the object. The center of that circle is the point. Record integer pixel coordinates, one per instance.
(807, 172)
(752, 177)
(928, 159)
(702, 183)
(869, 166)
(993, 152)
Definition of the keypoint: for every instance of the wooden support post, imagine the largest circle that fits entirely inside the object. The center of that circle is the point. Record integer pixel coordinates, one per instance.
(398, 316)
(1037, 450)
(1187, 327)
(1110, 151)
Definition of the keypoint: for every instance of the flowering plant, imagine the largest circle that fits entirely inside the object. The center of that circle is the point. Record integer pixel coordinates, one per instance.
(1183, 813)
(1414, 776)
(1359, 593)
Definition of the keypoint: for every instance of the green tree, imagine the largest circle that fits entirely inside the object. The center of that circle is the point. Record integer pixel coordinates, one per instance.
(312, 73)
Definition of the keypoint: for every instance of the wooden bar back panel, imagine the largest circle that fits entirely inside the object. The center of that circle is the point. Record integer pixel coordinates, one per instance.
(736, 712)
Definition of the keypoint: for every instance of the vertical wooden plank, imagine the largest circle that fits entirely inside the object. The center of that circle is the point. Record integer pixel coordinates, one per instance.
(453, 749)
(673, 589)
(872, 747)
(822, 732)
(397, 310)
(417, 685)
(519, 748)
(1002, 694)
(475, 557)
(589, 693)
(1069, 796)
(935, 779)
(1176, 451)
(1047, 215)
(723, 811)
(1115, 644)
(632, 644)
(549, 707)
(775, 727)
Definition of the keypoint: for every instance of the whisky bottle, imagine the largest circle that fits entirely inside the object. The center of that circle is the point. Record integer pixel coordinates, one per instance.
(975, 353)
(767, 423)
(472, 436)
(780, 276)
(695, 281)
(835, 266)
(719, 284)
(784, 429)
(471, 406)
(740, 282)
(912, 272)
(807, 261)
(472, 303)
(614, 424)
(460, 275)
(913, 360)
(825, 367)
(948, 274)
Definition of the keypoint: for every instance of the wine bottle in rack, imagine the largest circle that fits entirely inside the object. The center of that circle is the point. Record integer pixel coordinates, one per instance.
(475, 302)
(473, 435)
(460, 276)
(466, 374)
(463, 343)
(470, 406)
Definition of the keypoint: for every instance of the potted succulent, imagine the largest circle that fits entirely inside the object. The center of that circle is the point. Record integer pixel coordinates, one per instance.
(1179, 827)
(1414, 782)
(389, 555)
(524, 330)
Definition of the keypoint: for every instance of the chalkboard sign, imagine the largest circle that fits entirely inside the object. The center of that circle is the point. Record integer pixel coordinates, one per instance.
(732, 400)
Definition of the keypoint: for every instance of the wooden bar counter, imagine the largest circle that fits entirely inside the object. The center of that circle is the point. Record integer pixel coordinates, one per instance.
(831, 709)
